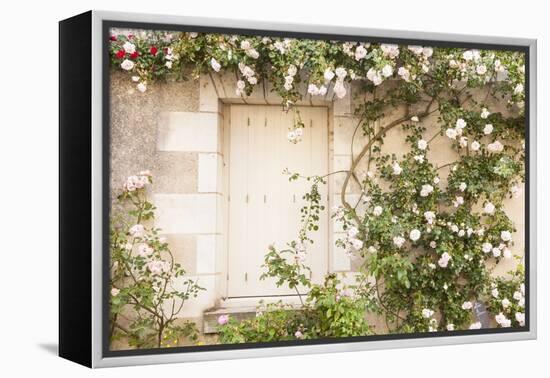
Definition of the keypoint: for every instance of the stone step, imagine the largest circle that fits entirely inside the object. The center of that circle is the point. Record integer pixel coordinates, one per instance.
(210, 317)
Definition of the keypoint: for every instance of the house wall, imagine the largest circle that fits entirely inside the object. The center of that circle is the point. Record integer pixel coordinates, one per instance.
(177, 131)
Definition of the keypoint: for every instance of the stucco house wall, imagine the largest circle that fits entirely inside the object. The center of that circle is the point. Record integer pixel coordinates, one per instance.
(178, 131)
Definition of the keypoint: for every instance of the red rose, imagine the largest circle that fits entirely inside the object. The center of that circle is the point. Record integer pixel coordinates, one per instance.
(120, 54)
(130, 36)
(134, 55)
(154, 51)
(113, 38)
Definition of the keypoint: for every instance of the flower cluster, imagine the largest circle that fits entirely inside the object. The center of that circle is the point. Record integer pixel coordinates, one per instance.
(507, 300)
(145, 56)
(143, 275)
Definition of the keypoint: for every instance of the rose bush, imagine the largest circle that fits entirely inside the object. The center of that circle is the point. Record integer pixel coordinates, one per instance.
(147, 288)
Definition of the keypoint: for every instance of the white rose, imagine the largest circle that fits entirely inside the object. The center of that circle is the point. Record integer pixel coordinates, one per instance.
(137, 231)
(253, 53)
(404, 73)
(127, 65)
(216, 66)
(520, 318)
(476, 325)
(489, 208)
(462, 187)
(451, 133)
(129, 47)
(415, 119)
(444, 260)
(495, 147)
(397, 168)
(426, 190)
(144, 250)
(341, 72)
(312, 90)
(494, 293)
(488, 129)
(505, 303)
(485, 113)
(291, 136)
(357, 244)
(468, 55)
(322, 90)
(506, 236)
(459, 200)
(450, 327)
(422, 144)
(481, 69)
(292, 70)
(475, 145)
(353, 232)
(398, 241)
(518, 89)
(427, 313)
(427, 52)
(377, 211)
(390, 50)
(340, 89)
(245, 45)
(417, 50)
(360, 52)
(460, 123)
(135, 79)
(430, 216)
(486, 247)
(467, 305)
(328, 75)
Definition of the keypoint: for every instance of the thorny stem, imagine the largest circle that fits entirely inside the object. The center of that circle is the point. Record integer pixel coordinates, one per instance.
(366, 149)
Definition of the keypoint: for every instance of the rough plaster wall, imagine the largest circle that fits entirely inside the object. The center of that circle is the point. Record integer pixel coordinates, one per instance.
(134, 125)
(134, 118)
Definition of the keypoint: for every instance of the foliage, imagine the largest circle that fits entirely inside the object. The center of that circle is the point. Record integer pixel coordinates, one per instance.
(427, 234)
(507, 299)
(148, 289)
(330, 310)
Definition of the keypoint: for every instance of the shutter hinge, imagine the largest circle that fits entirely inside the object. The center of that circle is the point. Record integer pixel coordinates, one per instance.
(246, 276)
(248, 121)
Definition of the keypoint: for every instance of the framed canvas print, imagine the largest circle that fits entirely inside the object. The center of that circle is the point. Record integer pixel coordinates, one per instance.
(235, 189)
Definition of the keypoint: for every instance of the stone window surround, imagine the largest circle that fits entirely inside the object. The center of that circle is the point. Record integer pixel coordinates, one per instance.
(217, 93)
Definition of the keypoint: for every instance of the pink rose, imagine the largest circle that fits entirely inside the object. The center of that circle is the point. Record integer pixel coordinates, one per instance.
(223, 319)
